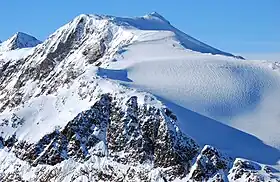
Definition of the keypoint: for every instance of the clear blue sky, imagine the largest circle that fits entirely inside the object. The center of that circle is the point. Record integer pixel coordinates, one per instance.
(238, 26)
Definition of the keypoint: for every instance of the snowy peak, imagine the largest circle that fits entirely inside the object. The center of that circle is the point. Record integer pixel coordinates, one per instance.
(18, 41)
(88, 29)
(156, 22)
(156, 16)
(76, 107)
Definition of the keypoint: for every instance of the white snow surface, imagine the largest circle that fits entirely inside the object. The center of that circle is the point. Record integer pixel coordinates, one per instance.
(229, 103)
(222, 101)
(241, 97)
(14, 55)
(18, 41)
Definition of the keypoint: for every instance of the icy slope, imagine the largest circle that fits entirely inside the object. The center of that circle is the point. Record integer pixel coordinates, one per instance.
(18, 41)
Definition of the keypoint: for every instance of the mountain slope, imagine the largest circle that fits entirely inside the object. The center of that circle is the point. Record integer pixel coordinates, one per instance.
(155, 21)
(242, 94)
(67, 114)
(18, 41)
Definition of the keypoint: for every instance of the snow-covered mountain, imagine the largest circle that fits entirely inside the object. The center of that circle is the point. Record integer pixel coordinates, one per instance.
(18, 41)
(134, 99)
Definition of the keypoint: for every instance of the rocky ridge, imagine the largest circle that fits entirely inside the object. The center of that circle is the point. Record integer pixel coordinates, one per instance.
(112, 134)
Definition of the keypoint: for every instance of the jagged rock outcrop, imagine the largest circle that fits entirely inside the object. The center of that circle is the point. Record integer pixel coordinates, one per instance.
(126, 137)
(244, 170)
(92, 38)
(133, 136)
(79, 139)
(210, 163)
(62, 121)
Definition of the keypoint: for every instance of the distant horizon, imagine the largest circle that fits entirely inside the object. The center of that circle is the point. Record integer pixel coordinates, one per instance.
(250, 29)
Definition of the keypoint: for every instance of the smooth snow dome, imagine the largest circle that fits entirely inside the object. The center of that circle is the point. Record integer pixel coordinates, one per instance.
(155, 21)
(242, 94)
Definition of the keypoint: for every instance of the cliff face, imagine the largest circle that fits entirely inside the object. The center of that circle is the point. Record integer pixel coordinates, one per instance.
(116, 130)
(118, 139)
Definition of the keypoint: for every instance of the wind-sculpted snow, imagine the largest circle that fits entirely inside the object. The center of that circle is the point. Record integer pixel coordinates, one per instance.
(235, 89)
(233, 141)
(75, 107)
(235, 92)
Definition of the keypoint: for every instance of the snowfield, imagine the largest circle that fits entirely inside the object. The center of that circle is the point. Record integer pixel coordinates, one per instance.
(241, 94)
(220, 100)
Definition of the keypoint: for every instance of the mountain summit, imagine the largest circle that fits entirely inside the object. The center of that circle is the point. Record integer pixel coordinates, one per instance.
(18, 41)
(109, 98)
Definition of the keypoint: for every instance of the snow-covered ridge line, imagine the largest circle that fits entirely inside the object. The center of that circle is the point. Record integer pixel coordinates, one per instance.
(150, 22)
(18, 41)
(156, 22)
(66, 112)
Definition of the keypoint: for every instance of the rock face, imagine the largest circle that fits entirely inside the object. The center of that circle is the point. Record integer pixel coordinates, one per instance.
(210, 163)
(244, 170)
(61, 121)
(135, 135)
(59, 60)
(125, 137)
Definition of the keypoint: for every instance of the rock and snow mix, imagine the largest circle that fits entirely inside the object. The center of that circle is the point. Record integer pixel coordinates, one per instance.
(75, 107)
(18, 41)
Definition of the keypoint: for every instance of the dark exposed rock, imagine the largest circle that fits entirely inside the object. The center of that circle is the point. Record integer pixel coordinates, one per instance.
(38, 67)
(74, 141)
(95, 51)
(8, 70)
(209, 163)
(147, 135)
(13, 176)
(1, 142)
(246, 170)
(144, 134)
(10, 142)
(14, 121)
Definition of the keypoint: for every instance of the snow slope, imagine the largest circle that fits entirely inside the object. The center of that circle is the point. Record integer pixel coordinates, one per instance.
(18, 41)
(238, 93)
(156, 22)
(68, 53)
(55, 108)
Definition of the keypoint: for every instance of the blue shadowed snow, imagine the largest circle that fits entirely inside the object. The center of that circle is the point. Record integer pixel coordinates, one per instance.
(120, 75)
(251, 94)
(223, 89)
(235, 142)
